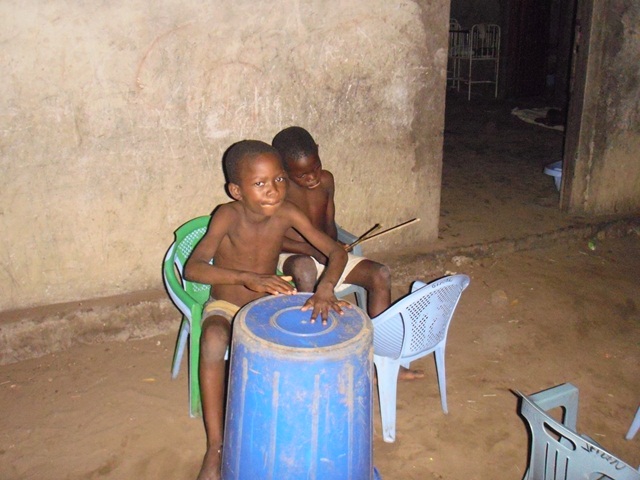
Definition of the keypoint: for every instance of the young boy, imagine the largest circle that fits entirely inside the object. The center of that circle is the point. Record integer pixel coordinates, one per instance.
(244, 239)
(312, 189)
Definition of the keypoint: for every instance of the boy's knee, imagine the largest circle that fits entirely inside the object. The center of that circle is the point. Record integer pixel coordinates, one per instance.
(305, 266)
(214, 339)
(303, 270)
(382, 276)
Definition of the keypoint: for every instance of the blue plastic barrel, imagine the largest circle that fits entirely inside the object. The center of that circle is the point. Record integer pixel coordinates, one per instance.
(299, 404)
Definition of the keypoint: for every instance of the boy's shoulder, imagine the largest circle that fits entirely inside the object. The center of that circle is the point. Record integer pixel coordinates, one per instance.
(327, 180)
(227, 207)
(226, 211)
(327, 173)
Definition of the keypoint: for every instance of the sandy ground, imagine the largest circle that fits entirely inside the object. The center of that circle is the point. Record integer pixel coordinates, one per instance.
(528, 321)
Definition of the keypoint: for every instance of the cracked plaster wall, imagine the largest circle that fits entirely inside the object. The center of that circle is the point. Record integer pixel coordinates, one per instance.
(116, 114)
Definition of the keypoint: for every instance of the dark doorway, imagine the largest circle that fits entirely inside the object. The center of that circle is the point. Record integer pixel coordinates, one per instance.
(538, 48)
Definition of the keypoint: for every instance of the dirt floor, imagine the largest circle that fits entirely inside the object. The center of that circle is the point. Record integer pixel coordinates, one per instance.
(530, 319)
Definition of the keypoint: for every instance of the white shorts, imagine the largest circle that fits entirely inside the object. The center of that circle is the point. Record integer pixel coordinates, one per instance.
(352, 261)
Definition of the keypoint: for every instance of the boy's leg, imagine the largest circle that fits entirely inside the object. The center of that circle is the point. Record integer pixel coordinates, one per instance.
(303, 270)
(216, 332)
(376, 279)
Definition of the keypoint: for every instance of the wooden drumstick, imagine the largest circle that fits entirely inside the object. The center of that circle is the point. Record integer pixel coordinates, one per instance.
(384, 232)
(361, 237)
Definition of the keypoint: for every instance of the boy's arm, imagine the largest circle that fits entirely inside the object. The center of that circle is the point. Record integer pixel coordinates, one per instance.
(198, 269)
(324, 297)
(304, 248)
(330, 219)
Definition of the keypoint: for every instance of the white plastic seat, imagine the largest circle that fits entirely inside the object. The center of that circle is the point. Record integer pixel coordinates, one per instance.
(412, 328)
(557, 450)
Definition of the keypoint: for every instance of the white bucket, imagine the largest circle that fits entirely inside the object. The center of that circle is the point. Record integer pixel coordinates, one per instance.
(555, 170)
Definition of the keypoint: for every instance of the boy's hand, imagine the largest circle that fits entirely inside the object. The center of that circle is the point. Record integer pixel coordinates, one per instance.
(323, 300)
(347, 247)
(272, 284)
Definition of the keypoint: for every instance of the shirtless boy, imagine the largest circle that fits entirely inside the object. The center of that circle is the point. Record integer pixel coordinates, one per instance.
(244, 239)
(312, 189)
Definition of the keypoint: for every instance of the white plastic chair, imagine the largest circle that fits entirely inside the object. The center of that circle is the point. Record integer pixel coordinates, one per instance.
(412, 328)
(557, 451)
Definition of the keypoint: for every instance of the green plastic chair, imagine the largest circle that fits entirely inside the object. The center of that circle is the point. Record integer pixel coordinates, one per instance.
(189, 298)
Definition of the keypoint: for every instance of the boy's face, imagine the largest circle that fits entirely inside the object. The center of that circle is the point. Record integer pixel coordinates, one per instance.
(262, 186)
(305, 171)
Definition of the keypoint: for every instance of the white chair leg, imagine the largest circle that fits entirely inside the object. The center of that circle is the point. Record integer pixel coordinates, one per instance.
(387, 370)
(635, 425)
(180, 345)
(442, 378)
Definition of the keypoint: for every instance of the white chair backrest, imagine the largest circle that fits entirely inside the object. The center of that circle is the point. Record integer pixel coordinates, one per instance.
(419, 321)
(429, 316)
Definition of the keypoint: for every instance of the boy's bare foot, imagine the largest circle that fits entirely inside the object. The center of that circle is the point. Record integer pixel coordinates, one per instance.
(406, 374)
(211, 464)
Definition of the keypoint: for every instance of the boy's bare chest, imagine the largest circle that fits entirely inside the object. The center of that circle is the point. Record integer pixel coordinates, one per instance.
(313, 203)
(250, 241)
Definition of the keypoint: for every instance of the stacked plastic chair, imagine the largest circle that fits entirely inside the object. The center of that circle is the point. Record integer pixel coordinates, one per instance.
(557, 450)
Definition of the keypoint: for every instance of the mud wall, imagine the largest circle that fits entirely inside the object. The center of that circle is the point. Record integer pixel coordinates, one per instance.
(116, 114)
(603, 134)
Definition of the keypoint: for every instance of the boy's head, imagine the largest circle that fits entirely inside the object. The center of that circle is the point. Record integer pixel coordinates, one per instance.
(240, 153)
(255, 176)
(299, 153)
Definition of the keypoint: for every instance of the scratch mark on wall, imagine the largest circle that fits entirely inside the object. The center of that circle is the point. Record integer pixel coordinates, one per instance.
(204, 148)
(7, 270)
(77, 130)
(140, 86)
(169, 143)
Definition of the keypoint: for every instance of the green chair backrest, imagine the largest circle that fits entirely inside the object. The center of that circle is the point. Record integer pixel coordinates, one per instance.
(187, 237)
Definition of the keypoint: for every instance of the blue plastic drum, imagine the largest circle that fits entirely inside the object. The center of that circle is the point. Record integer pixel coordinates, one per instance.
(299, 404)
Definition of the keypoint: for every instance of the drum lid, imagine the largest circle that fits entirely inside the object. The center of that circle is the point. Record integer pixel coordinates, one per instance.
(279, 320)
